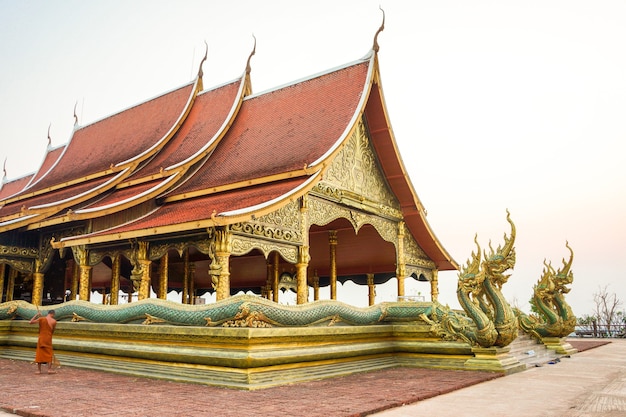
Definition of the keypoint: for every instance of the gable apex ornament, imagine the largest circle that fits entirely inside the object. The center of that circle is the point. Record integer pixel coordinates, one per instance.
(248, 67)
(375, 47)
(206, 54)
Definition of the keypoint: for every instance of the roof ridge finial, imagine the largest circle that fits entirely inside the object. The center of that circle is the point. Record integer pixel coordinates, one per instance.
(75, 117)
(375, 47)
(49, 139)
(4, 169)
(206, 54)
(248, 67)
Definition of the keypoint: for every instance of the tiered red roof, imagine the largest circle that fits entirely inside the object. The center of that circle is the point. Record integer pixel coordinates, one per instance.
(216, 158)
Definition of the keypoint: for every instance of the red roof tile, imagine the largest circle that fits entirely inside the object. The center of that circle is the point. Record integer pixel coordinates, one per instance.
(285, 129)
(207, 115)
(115, 139)
(14, 186)
(52, 197)
(52, 156)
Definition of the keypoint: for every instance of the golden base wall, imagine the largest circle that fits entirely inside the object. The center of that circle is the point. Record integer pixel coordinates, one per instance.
(244, 358)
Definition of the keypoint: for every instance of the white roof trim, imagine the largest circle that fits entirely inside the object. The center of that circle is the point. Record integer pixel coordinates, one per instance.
(78, 196)
(272, 201)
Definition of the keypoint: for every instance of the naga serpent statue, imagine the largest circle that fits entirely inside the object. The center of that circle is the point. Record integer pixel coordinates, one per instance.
(556, 317)
(490, 320)
(236, 311)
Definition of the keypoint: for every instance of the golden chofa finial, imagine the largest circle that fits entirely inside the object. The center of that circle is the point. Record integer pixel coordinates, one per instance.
(375, 47)
(49, 140)
(4, 168)
(248, 67)
(206, 54)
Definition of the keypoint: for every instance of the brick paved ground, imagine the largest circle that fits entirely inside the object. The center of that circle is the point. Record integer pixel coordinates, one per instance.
(77, 392)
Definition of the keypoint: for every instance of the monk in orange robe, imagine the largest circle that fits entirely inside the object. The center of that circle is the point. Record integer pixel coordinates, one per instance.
(44, 351)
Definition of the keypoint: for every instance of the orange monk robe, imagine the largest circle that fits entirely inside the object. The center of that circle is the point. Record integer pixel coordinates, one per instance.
(44, 343)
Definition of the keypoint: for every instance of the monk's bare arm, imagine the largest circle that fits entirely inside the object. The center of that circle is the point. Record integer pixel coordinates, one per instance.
(34, 319)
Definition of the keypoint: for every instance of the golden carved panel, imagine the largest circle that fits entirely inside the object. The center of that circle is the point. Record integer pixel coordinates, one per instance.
(285, 217)
(18, 264)
(356, 169)
(414, 255)
(322, 212)
(412, 269)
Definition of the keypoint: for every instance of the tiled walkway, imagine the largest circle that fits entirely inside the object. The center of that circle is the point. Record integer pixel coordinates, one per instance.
(77, 392)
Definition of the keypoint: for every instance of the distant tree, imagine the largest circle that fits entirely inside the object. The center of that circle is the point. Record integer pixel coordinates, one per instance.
(607, 311)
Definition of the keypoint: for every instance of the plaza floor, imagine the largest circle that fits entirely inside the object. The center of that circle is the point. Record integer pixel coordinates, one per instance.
(590, 383)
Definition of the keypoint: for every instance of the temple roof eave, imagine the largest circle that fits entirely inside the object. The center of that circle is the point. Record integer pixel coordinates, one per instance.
(222, 218)
(393, 167)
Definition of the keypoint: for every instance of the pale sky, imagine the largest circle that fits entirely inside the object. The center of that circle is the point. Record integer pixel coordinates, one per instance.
(494, 104)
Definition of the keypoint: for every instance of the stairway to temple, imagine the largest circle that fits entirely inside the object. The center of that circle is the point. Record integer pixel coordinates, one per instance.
(530, 352)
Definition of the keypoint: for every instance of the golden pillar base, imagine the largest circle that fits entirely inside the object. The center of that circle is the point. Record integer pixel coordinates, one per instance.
(494, 359)
(559, 345)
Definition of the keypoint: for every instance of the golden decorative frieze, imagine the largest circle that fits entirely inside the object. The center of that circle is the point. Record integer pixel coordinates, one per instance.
(244, 244)
(18, 251)
(267, 232)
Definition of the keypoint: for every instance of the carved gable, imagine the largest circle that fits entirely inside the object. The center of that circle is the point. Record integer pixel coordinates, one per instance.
(356, 171)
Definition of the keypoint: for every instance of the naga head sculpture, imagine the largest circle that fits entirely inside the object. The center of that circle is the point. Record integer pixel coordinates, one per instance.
(564, 276)
(503, 258)
(471, 276)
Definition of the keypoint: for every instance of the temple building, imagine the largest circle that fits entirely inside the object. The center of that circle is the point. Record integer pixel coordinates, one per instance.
(225, 190)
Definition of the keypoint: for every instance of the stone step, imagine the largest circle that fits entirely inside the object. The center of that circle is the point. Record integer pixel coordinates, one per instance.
(530, 352)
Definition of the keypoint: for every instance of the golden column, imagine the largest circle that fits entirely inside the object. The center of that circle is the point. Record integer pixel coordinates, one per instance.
(192, 283)
(164, 266)
(2, 272)
(303, 262)
(75, 280)
(186, 277)
(145, 267)
(275, 276)
(11, 284)
(316, 286)
(304, 257)
(401, 271)
(223, 248)
(332, 242)
(81, 256)
(434, 286)
(371, 287)
(269, 291)
(37, 294)
(116, 267)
